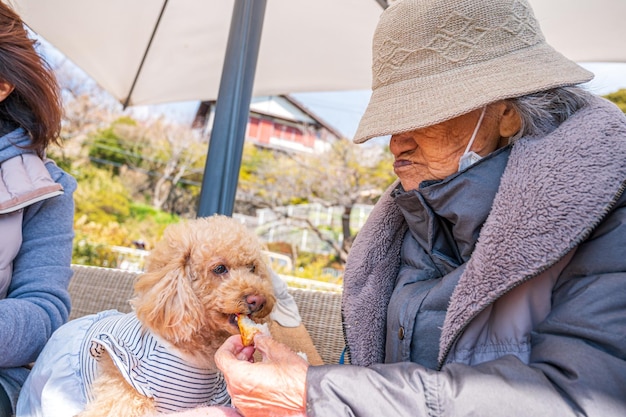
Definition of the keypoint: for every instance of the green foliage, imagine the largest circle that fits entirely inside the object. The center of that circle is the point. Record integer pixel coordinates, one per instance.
(142, 212)
(109, 147)
(93, 244)
(316, 266)
(252, 160)
(106, 217)
(619, 98)
(100, 195)
(94, 254)
(102, 203)
(147, 224)
(267, 178)
(138, 174)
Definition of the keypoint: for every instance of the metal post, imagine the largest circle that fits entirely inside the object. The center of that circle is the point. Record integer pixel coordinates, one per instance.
(221, 173)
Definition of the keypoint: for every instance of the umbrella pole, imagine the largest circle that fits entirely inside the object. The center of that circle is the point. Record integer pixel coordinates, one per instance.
(221, 172)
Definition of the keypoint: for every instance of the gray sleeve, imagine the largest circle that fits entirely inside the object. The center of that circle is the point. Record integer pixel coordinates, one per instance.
(577, 364)
(502, 387)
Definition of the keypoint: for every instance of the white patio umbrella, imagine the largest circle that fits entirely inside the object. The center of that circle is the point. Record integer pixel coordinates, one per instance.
(155, 51)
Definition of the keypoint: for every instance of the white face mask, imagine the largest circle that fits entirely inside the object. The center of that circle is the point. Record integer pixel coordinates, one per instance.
(470, 157)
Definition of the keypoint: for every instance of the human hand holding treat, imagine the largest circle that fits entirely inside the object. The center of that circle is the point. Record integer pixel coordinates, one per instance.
(273, 386)
(248, 329)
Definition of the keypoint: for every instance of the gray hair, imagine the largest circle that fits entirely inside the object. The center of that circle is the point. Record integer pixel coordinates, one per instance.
(544, 111)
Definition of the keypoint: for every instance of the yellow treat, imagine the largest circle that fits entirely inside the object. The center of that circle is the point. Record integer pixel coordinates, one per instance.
(249, 328)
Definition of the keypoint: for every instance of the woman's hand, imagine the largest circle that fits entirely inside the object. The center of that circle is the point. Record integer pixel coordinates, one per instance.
(275, 386)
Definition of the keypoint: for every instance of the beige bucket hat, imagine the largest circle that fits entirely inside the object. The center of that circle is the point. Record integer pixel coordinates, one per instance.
(434, 60)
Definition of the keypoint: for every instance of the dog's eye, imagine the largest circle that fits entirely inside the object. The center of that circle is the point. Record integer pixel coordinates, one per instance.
(252, 268)
(220, 269)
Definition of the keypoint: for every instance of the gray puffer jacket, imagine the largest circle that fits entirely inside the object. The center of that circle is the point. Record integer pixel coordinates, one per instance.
(528, 320)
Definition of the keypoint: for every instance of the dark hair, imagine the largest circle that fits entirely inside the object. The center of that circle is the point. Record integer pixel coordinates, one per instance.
(35, 103)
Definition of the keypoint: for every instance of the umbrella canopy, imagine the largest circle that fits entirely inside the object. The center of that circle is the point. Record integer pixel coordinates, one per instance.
(155, 51)
(151, 51)
(306, 45)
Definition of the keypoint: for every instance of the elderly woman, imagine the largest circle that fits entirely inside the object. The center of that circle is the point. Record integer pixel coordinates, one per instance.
(490, 279)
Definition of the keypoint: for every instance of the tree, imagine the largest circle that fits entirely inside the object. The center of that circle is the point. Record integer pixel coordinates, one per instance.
(102, 205)
(86, 109)
(161, 162)
(267, 179)
(111, 147)
(344, 175)
(179, 164)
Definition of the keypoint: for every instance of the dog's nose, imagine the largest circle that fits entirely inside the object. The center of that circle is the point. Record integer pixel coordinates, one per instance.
(255, 302)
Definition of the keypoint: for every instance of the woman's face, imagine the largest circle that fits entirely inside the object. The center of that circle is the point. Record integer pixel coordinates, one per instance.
(433, 152)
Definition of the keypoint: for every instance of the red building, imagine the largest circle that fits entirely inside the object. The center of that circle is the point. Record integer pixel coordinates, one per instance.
(277, 122)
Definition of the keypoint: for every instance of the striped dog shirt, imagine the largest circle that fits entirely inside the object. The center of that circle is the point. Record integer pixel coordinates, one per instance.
(150, 366)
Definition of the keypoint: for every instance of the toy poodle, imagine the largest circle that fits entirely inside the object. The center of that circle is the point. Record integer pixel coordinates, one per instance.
(199, 279)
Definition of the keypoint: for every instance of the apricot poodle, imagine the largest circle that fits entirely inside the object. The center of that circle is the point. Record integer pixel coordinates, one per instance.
(159, 358)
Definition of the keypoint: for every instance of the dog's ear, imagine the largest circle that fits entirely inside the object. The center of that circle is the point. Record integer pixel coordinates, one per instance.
(166, 303)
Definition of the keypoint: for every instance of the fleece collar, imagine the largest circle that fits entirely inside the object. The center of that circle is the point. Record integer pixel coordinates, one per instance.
(553, 193)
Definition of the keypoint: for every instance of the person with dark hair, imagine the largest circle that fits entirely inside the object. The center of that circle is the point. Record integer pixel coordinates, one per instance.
(490, 279)
(36, 209)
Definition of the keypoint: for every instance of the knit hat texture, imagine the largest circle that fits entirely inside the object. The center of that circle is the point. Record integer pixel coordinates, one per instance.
(434, 60)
